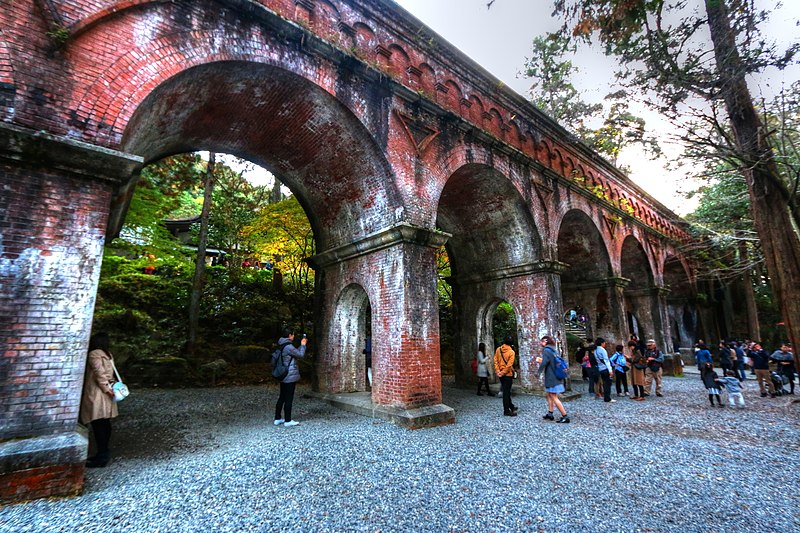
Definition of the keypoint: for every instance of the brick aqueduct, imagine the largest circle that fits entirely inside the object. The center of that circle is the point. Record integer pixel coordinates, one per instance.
(394, 142)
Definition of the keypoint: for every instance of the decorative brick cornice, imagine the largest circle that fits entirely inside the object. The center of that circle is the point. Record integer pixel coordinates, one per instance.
(402, 233)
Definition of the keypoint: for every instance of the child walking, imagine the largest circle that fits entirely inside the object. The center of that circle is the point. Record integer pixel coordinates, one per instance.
(711, 382)
(734, 388)
(620, 363)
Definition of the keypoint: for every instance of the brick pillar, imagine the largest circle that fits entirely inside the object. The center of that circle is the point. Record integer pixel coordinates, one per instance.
(396, 269)
(649, 307)
(54, 209)
(533, 290)
(615, 324)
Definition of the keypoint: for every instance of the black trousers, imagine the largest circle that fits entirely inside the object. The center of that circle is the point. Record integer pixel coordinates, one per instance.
(285, 402)
(102, 436)
(622, 381)
(606, 377)
(505, 386)
(481, 383)
(594, 375)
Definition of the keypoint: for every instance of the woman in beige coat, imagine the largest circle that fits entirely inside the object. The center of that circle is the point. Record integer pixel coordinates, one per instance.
(97, 404)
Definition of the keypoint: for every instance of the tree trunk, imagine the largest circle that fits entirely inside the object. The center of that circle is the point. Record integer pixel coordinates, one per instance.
(753, 326)
(276, 192)
(771, 211)
(200, 263)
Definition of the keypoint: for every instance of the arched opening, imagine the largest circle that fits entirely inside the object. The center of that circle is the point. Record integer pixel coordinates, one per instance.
(354, 317)
(681, 307)
(640, 302)
(584, 284)
(492, 235)
(301, 133)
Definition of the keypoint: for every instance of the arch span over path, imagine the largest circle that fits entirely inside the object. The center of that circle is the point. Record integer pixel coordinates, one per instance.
(393, 141)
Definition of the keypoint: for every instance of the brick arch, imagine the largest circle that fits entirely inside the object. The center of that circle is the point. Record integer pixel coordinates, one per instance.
(326, 18)
(427, 78)
(398, 61)
(343, 358)
(284, 122)
(580, 244)
(114, 95)
(486, 213)
(676, 274)
(365, 38)
(636, 264)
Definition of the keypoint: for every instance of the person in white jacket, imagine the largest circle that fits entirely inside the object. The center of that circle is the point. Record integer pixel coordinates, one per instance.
(482, 371)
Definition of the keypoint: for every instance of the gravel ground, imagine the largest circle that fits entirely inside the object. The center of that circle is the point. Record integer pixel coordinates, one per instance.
(211, 460)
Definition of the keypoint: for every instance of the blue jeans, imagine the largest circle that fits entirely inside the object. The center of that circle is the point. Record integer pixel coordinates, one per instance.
(740, 370)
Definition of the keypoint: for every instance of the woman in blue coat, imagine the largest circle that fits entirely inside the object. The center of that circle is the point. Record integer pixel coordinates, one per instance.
(552, 385)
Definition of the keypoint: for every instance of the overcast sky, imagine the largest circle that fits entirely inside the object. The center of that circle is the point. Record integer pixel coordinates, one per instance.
(499, 39)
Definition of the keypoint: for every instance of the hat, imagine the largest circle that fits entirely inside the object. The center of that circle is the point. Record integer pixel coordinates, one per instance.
(650, 341)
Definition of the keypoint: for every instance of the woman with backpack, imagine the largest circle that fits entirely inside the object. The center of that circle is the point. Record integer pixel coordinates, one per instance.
(553, 386)
(288, 383)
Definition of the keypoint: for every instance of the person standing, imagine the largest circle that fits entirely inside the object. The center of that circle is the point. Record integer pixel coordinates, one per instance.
(552, 385)
(604, 367)
(504, 358)
(724, 356)
(711, 382)
(740, 357)
(702, 355)
(638, 366)
(655, 370)
(482, 371)
(367, 351)
(290, 355)
(784, 358)
(759, 359)
(621, 367)
(97, 403)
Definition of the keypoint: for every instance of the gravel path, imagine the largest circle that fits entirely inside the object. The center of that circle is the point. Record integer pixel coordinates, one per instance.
(211, 460)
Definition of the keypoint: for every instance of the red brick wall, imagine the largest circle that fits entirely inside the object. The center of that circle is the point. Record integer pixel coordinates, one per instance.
(42, 482)
(51, 235)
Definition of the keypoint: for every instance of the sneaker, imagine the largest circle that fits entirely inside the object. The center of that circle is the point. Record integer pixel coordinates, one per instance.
(549, 416)
(763, 394)
(278, 422)
(510, 413)
(563, 420)
(291, 423)
(479, 394)
(659, 395)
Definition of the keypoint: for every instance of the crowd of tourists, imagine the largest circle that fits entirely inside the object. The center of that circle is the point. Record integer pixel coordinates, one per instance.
(635, 370)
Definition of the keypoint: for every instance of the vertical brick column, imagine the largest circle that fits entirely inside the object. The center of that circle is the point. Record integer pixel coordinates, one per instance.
(615, 324)
(53, 213)
(397, 269)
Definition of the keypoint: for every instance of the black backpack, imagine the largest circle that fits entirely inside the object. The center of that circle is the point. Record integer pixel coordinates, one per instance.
(280, 369)
(592, 358)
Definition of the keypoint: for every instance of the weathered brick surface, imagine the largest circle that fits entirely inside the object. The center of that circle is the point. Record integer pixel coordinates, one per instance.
(384, 134)
(42, 482)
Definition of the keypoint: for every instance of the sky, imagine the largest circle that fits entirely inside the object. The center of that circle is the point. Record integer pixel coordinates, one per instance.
(499, 39)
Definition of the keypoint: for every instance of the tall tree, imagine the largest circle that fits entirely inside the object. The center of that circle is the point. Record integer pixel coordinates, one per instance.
(553, 92)
(200, 261)
(673, 61)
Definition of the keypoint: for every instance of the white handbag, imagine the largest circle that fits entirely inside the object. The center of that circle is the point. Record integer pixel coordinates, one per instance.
(119, 389)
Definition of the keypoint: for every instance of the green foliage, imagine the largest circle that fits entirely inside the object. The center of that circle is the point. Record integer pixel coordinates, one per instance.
(552, 90)
(504, 323)
(282, 233)
(236, 205)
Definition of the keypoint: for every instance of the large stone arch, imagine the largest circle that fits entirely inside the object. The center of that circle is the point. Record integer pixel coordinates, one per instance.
(282, 122)
(642, 296)
(495, 254)
(587, 283)
(681, 303)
